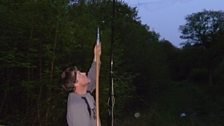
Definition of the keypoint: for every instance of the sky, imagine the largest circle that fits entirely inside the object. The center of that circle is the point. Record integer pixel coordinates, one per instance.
(165, 16)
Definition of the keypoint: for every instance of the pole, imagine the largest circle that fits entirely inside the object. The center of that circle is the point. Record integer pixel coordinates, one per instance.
(111, 100)
(97, 82)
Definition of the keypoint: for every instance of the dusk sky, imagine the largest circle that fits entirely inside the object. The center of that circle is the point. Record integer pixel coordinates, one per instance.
(165, 16)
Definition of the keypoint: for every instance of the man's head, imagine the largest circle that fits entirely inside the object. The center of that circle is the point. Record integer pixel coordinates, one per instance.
(72, 77)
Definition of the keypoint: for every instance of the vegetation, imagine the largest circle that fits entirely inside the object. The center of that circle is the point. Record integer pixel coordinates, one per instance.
(165, 84)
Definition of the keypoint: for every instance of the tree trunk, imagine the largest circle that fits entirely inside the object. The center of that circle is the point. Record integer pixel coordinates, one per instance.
(54, 56)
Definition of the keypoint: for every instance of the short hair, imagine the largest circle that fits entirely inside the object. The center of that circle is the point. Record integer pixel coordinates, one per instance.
(68, 78)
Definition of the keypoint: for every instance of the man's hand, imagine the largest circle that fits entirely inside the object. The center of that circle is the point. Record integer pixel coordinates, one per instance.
(97, 51)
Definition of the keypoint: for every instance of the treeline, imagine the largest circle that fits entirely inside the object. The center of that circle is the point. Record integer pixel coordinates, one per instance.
(39, 38)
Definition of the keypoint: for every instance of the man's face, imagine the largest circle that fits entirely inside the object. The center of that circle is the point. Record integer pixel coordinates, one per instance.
(81, 78)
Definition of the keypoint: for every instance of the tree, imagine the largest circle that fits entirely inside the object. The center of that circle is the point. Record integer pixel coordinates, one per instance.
(202, 30)
(202, 27)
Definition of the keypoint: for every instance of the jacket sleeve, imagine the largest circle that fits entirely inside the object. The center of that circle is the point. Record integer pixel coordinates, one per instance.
(92, 77)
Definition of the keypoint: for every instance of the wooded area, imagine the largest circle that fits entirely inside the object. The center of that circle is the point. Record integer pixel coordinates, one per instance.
(165, 84)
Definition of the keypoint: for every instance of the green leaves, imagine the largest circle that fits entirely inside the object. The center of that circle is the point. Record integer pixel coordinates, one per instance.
(202, 27)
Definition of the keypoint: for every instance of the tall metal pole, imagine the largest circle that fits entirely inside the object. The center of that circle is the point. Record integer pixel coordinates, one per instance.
(111, 101)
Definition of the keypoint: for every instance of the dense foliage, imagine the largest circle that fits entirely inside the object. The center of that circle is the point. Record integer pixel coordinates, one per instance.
(39, 38)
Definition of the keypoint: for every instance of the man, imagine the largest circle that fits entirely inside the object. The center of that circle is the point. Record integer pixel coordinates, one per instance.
(81, 104)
